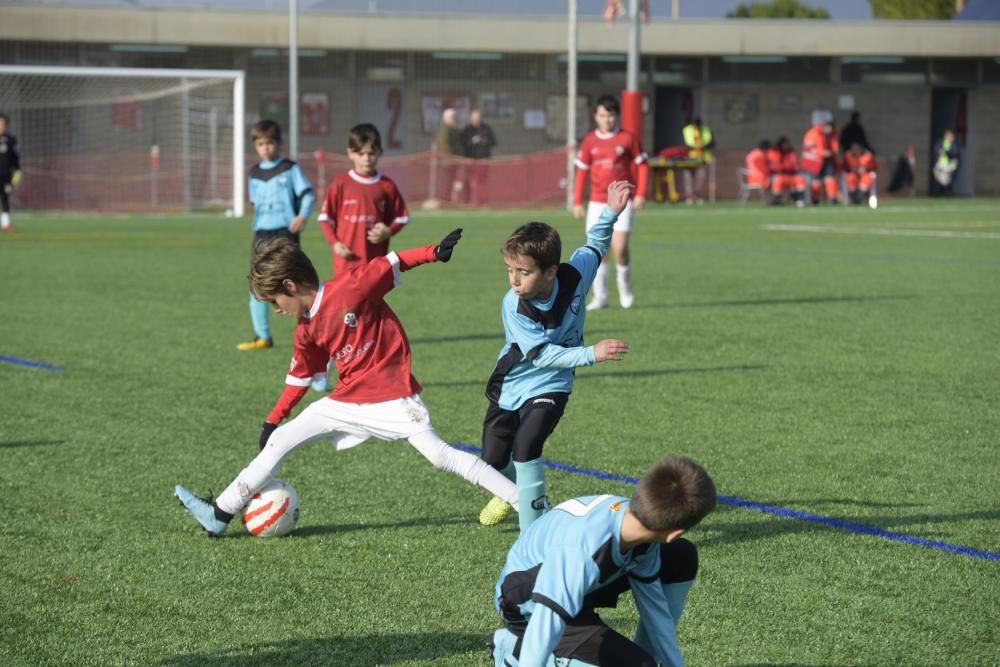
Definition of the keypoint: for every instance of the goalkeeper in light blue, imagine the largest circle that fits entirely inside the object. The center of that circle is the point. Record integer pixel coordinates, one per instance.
(586, 552)
(543, 318)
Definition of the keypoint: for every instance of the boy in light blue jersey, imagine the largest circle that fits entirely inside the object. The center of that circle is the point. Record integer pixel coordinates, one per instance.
(282, 200)
(586, 552)
(543, 326)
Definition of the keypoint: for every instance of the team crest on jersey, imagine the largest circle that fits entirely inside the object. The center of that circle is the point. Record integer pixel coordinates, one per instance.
(619, 150)
(351, 320)
(416, 416)
(615, 506)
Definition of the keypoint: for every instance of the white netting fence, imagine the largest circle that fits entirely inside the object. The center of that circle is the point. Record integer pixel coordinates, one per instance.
(126, 139)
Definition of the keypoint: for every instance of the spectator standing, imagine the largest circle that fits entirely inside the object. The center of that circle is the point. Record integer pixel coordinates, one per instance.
(449, 146)
(947, 157)
(698, 138)
(478, 141)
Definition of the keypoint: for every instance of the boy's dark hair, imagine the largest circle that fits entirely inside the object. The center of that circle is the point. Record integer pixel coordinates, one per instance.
(266, 129)
(764, 144)
(537, 240)
(276, 261)
(675, 494)
(362, 135)
(609, 102)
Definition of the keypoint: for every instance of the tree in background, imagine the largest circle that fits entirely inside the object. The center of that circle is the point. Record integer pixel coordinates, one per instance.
(941, 10)
(778, 9)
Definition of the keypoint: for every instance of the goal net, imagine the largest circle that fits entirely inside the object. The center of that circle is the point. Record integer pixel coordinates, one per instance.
(130, 140)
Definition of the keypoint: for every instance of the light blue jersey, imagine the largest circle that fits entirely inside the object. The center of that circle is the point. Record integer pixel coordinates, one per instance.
(573, 550)
(279, 191)
(544, 338)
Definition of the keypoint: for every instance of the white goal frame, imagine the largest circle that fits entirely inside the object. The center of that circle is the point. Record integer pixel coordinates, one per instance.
(237, 77)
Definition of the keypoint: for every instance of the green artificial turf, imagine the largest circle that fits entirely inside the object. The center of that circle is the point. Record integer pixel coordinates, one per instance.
(854, 376)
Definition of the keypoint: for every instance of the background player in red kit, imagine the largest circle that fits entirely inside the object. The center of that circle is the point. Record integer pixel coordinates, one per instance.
(608, 154)
(363, 208)
(347, 320)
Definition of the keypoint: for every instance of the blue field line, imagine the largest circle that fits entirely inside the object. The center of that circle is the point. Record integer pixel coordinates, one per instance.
(29, 364)
(785, 512)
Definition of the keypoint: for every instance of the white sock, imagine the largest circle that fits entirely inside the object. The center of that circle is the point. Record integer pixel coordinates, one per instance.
(5, 220)
(600, 286)
(624, 277)
(469, 467)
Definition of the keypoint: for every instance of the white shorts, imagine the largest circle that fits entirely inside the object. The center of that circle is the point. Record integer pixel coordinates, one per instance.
(622, 224)
(346, 425)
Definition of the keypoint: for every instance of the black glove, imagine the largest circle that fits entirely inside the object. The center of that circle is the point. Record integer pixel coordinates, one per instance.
(265, 433)
(442, 253)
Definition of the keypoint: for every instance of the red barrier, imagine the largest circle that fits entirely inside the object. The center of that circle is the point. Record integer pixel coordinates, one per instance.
(129, 182)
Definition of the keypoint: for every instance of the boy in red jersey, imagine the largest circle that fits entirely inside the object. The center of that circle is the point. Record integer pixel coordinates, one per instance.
(363, 208)
(608, 154)
(347, 320)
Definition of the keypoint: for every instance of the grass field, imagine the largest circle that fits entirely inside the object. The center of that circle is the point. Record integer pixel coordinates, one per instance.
(837, 364)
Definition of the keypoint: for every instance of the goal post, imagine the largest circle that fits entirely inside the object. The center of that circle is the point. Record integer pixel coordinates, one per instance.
(128, 139)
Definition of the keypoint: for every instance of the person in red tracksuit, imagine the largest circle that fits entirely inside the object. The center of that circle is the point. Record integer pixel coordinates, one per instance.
(859, 163)
(757, 170)
(819, 158)
(785, 176)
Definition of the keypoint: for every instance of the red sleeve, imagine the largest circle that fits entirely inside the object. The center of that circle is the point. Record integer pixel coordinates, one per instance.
(308, 360)
(582, 163)
(396, 213)
(289, 399)
(328, 215)
(382, 273)
(642, 169)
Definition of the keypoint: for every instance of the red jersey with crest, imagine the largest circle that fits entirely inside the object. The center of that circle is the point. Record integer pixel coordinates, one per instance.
(607, 157)
(352, 206)
(350, 323)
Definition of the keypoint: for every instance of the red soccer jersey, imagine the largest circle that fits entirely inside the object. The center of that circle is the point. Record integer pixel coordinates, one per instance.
(352, 206)
(350, 322)
(608, 157)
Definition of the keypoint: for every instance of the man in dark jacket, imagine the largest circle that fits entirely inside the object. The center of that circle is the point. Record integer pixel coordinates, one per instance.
(478, 141)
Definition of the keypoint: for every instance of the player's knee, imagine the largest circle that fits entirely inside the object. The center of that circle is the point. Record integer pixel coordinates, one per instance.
(680, 561)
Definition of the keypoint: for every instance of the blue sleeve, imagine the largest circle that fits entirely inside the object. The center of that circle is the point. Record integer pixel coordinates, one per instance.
(545, 629)
(556, 356)
(303, 192)
(657, 631)
(599, 235)
(252, 191)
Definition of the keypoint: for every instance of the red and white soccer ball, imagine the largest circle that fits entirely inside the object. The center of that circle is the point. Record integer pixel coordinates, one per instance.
(273, 511)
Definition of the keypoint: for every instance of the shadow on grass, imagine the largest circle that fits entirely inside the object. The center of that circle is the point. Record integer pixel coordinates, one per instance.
(29, 443)
(738, 532)
(347, 651)
(811, 300)
(334, 529)
(639, 373)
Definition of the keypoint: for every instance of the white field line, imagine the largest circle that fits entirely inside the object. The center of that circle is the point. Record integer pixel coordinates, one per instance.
(830, 229)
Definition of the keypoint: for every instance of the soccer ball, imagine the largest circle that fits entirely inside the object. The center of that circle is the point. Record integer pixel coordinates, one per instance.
(273, 511)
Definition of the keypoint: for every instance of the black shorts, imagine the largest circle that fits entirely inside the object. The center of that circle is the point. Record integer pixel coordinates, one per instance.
(520, 434)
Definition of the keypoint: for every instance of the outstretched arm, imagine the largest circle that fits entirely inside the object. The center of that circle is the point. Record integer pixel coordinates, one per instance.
(554, 356)
(599, 235)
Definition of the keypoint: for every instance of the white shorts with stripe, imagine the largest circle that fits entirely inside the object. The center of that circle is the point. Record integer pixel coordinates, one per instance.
(623, 224)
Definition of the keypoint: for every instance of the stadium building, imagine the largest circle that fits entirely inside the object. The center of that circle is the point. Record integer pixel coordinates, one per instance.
(748, 79)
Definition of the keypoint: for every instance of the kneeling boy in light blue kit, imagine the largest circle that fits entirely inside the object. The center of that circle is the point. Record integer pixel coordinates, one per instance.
(586, 552)
(543, 317)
